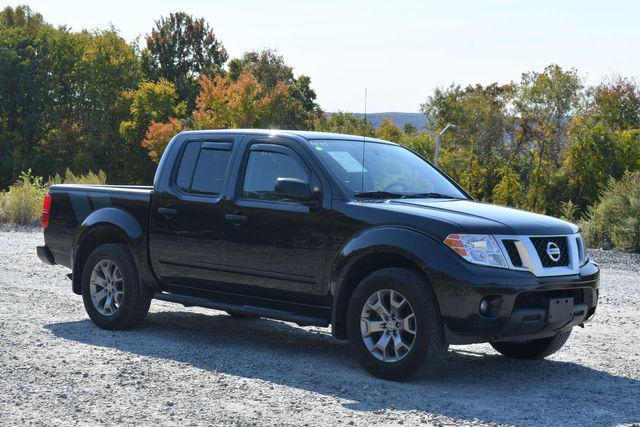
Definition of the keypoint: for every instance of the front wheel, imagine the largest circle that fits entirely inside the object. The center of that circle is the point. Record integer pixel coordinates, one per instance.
(111, 292)
(534, 349)
(394, 324)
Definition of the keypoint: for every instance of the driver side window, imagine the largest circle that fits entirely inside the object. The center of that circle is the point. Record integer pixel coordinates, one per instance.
(263, 170)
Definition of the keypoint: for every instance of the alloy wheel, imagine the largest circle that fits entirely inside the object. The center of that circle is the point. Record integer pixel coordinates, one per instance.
(388, 325)
(106, 287)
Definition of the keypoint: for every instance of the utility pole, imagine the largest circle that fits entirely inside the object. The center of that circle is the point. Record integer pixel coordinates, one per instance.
(438, 136)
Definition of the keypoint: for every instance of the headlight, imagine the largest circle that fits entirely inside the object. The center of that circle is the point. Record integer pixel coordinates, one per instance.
(477, 248)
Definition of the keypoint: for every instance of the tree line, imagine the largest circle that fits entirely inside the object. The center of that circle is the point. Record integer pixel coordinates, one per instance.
(89, 101)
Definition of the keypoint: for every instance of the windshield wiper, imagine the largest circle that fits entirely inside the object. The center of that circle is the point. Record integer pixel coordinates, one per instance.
(378, 195)
(432, 196)
(392, 195)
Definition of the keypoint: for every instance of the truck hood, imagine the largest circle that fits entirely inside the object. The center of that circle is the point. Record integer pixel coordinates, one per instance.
(483, 218)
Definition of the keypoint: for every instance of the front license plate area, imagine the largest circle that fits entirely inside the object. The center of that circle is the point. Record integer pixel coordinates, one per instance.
(560, 310)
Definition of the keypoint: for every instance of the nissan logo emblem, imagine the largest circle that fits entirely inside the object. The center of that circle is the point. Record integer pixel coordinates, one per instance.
(553, 251)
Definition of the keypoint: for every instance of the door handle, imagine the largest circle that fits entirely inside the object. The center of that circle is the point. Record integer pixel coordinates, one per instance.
(235, 218)
(168, 213)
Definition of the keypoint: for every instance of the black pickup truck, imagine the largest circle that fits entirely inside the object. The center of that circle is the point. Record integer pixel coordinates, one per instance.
(324, 229)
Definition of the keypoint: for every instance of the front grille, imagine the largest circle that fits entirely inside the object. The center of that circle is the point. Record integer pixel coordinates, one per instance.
(541, 244)
(540, 299)
(512, 251)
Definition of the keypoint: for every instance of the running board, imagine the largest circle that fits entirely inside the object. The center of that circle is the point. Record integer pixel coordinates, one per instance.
(191, 301)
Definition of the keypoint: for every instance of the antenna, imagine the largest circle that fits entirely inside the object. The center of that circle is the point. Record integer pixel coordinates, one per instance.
(364, 134)
(364, 138)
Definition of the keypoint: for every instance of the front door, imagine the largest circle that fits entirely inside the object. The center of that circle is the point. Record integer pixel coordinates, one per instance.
(273, 243)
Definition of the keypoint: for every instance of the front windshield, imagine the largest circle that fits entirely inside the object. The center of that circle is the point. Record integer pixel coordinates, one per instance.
(387, 169)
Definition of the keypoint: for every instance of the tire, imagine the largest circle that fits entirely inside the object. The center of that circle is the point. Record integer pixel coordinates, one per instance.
(130, 301)
(427, 343)
(534, 349)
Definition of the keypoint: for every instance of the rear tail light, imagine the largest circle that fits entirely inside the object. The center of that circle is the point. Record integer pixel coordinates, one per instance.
(46, 211)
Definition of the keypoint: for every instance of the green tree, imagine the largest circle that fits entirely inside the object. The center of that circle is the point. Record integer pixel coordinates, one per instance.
(422, 143)
(346, 123)
(617, 104)
(410, 129)
(389, 131)
(21, 16)
(604, 142)
(108, 67)
(616, 217)
(543, 103)
(181, 49)
(479, 146)
(36, 89)
(508, 191)
(150, 102)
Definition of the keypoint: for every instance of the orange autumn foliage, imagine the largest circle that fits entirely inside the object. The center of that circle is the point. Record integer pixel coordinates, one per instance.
(245, 103)
(231, 104)
(158, 136)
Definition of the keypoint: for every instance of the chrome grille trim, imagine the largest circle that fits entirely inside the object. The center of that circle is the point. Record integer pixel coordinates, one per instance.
(531, 260)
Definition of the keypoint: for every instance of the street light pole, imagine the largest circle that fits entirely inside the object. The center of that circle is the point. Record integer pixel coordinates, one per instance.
(438, 136)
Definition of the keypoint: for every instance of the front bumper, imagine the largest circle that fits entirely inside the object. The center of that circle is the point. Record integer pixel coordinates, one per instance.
(521, 306)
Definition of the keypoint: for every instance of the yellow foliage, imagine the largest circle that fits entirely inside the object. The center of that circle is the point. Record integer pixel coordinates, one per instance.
(22, 203)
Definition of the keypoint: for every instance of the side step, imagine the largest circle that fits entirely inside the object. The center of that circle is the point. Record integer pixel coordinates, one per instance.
(191, 301)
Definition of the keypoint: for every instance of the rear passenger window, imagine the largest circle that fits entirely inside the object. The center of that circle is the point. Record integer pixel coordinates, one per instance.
(203, 167)
(187, 165)
(210, 171)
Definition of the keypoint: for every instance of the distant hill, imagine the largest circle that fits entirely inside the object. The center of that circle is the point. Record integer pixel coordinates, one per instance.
(419, 120)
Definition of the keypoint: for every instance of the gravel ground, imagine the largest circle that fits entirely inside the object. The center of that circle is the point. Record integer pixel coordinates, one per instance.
(194, 366)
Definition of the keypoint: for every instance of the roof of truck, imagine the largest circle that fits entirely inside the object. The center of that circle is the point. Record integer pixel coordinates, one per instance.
(309, 135)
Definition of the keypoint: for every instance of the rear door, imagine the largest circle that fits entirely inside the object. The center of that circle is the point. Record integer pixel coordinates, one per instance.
(186, 214)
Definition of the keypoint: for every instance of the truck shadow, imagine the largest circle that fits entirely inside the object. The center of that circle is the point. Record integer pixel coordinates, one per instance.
(470, 385)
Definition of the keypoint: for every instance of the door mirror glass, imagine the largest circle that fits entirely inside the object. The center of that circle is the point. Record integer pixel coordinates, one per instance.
(293, 188)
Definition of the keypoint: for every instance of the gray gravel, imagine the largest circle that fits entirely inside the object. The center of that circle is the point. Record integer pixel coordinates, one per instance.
(194, 366)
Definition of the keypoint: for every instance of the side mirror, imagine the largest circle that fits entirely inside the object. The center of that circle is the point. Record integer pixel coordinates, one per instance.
(293, 188)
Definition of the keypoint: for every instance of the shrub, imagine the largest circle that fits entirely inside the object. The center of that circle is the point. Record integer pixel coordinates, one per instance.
(616, 217)
(70, 178)
(568, 211)
(22, 203)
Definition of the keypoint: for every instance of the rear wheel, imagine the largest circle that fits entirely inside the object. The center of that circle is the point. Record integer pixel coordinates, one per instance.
(111, 292)
(394, 324)
(534, 349)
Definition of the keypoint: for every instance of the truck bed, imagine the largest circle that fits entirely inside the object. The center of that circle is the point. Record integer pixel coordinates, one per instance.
(71, 204)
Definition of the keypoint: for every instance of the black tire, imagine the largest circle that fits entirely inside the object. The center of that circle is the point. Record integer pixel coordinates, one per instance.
(429, 346)
(135, 302)
(241, 315)
(534, 349)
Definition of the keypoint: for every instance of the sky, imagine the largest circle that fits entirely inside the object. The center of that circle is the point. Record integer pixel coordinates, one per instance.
(399, 50)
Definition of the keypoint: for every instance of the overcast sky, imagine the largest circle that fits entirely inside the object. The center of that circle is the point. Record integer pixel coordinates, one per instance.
(399, 50)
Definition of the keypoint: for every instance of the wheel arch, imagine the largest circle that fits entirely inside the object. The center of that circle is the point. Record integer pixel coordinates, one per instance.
(109, 225)
(371, 250)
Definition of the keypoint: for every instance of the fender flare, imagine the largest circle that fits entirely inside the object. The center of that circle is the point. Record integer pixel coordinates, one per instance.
(127, 228)
(416, 247)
